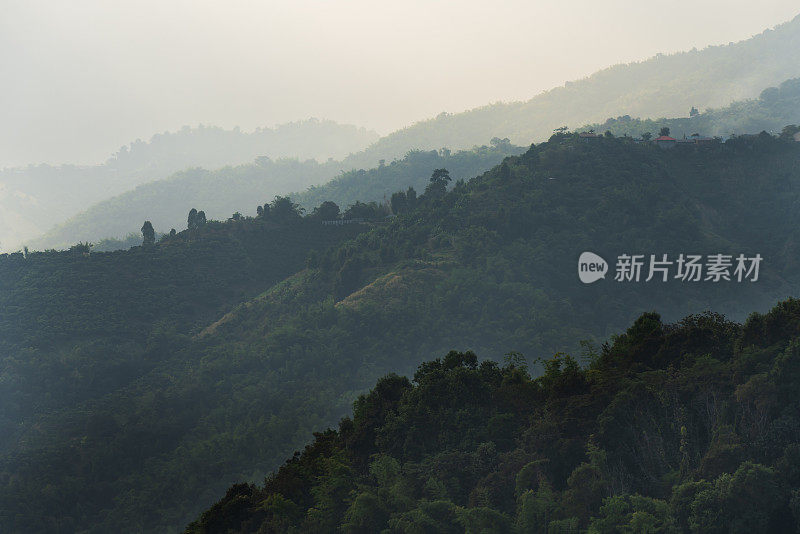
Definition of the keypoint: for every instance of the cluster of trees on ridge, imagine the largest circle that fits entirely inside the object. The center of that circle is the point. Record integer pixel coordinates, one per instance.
(774, 108)
(137, 386)
(226, 190)
(42, 196)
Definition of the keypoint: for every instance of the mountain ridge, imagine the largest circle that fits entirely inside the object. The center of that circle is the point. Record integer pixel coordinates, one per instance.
(487, 265)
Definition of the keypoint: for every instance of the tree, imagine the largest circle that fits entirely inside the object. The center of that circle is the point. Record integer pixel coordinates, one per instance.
(201, 219)
(361, 210)
(496, 142)
(788, 132)
(260, 211)
(399, 203)
(148, 234)
(283, 209)
(411, 198)
(693, 112)
(664, 132)
(191, 221)
(747, 501)
(646, 136)
(327, 211)
(438, 183)
(80, 248)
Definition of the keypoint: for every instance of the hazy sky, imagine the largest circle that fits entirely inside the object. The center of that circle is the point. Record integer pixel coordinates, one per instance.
(80, 78)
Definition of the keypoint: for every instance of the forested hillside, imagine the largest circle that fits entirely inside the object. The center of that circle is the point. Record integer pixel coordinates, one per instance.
(414, 170)
(685, 427)
(487, 265)
(230, 189)
(35, 198)
(662, 86)
(769, 112)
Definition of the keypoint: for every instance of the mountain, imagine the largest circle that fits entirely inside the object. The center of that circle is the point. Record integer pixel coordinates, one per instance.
(663, 86)
(222, 192)
(771, 111)
(684, 427)
(37, 197)
(137, 386)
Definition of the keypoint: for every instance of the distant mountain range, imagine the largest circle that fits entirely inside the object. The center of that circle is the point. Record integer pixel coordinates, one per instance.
(33, 199)
(662, 86)
(224, 191)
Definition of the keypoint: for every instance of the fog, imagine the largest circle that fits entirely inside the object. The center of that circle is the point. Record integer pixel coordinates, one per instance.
(82, 78)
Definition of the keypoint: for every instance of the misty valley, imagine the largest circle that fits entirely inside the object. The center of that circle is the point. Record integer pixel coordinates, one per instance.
(574, 313)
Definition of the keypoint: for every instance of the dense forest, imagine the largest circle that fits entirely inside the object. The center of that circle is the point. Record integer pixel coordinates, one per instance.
(205, 365)
(685, 427)
(230, 189)
(35, 198)
(769, 112)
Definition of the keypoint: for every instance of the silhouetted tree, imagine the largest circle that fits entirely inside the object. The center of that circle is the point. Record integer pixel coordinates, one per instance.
(327, 211)
(191, 220)
(411, 198)
(664, 132)
(283, 209)
(148, 234)
(438, 184)
(789, 132)
(399, 203)
(360, 210)
(201, 219)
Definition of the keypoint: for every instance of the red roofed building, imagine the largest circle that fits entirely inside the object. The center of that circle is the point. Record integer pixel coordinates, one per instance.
(665, 141)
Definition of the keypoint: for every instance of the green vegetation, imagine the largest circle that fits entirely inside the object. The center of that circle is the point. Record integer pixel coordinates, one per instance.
(686, 427)
(413, 170)
(229, 189)
(137, 386)
(36, 198)
(770, 111)
(77, 325)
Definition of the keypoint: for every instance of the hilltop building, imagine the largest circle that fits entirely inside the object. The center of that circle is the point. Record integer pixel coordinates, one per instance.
(666, 142)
